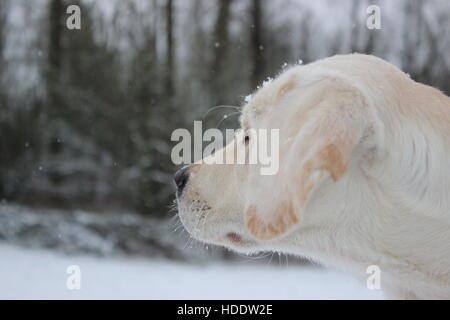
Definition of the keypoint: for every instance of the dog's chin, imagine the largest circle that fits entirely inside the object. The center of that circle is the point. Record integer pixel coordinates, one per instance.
(232, 241)
(214, 233)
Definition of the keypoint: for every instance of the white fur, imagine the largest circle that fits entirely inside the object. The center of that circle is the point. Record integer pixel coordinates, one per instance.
(391, 208)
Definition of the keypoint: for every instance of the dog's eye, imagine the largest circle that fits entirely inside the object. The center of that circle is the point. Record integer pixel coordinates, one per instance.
(246, 138)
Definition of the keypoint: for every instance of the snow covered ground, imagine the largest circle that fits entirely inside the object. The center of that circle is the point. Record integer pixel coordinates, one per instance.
(38, 274)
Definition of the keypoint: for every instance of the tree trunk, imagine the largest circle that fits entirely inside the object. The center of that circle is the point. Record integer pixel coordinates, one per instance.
(170, 48)
(257, 43)
(3, 17)
(220, 47)
(221, 35)
(54, 101)
(154, 33)
(412, 29)
(56, 12)
(355, 25)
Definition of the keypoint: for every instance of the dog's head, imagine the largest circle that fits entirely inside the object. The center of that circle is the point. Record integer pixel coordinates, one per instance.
(237, 206)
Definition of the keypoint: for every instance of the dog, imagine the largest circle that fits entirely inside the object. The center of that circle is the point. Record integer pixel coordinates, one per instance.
(364, 176)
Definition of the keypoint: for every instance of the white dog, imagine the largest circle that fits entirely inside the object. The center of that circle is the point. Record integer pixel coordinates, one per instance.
(364, 176)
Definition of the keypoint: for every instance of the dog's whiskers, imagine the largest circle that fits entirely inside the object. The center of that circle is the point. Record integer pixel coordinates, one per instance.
(251, 258)
(227, 116)
(220, 107)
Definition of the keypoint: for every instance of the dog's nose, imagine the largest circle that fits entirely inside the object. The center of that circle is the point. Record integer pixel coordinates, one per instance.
(181, 177)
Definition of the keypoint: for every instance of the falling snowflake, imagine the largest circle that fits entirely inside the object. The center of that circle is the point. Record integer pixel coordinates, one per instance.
(267, 82)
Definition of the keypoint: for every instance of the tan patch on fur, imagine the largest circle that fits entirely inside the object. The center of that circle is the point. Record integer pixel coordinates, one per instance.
(329, 158)
(281, 220)
(288, 85)
(305, 192)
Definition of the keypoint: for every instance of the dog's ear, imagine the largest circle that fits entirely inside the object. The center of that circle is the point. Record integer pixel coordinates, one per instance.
(320, 149)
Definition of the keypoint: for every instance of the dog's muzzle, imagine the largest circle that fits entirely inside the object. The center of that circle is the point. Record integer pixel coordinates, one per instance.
(181, 178)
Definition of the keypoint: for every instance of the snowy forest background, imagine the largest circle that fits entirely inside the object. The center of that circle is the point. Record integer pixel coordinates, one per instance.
(86, 115)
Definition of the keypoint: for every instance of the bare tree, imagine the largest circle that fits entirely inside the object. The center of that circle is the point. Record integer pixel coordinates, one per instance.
(221, 34)
(413, 28)
(55, 52)
(355, 13)
(54, 42)
(370, 36)
(257, 43)
(170, 69)
(3, 17)
(220, 45)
